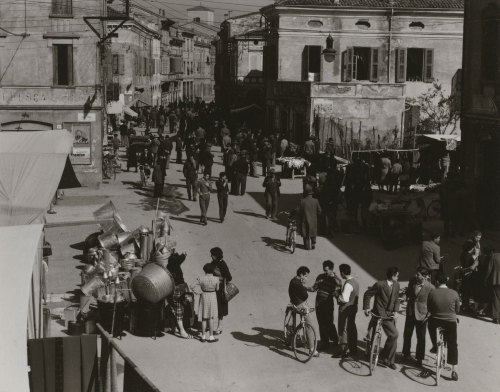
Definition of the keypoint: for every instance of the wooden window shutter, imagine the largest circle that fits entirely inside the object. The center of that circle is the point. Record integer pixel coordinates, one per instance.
(374, 61)
(350, 65)
(400, 65)
(305, 63)
(70, 64)
(55, 66)
(121, 64)
(428, 65)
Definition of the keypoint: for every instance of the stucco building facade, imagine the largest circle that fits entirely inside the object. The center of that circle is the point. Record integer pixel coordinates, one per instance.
(51, 78)
(378, 54)
(480, 120)
(240, 56)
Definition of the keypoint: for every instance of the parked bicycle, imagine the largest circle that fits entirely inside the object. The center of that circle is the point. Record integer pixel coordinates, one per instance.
(373, 346)
(440, 354)
(297, 336)
(110, 165)
(291, 230)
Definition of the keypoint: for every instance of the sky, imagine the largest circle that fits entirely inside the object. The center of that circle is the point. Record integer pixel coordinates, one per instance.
(176, 9)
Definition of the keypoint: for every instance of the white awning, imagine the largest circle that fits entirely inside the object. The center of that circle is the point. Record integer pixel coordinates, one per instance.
(21, 272)
(31, 166)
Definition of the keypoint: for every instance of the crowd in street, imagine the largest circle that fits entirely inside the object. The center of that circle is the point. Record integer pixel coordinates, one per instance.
(431, 304)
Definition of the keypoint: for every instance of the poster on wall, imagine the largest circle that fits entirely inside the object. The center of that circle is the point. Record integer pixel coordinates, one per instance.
(81, 144)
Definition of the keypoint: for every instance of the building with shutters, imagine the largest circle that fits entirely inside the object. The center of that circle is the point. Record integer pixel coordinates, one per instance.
(50, 76)
(480, 116)
(199, 55)
(344, 68)
(240, 52)
(133, 64)
(171, 66)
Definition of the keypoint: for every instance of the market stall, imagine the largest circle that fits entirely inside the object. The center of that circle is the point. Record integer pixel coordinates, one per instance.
(126, 277)
(31, 166)
(21, 270)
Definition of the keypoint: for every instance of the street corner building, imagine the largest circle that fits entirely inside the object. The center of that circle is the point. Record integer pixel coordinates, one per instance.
(346, 68)
(50, 76)
(480, 121)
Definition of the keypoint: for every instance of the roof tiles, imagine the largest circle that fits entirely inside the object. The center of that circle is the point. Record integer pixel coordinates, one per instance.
(432, 4)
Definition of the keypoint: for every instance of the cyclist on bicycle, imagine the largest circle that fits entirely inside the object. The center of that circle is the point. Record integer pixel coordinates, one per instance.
(298, 297)
(385, 304)
(443, 305)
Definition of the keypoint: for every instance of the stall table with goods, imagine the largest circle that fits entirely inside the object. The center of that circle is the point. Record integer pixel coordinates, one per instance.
(294, 164)
(395, 222)
(125, 281)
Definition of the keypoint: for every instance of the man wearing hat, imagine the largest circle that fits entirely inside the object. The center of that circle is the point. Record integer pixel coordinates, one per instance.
(309, 209)
(272, 192)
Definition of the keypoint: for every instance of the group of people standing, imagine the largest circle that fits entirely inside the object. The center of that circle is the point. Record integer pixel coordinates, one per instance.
(210, 287)
(428, 308)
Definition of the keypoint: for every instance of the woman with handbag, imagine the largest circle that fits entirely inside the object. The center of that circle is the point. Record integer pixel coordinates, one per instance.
(208, 307)
(221, 270)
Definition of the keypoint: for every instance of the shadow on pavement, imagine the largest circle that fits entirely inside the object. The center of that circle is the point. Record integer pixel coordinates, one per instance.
(355, 367)
(270, 338)
(250, 213)
(168, 203)
(186, 220)
(278, 244)
(421, 376)
(362, 251)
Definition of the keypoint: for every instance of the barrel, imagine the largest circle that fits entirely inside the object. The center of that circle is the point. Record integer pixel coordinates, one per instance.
(105, 310)
(146, 319)
(153, 283)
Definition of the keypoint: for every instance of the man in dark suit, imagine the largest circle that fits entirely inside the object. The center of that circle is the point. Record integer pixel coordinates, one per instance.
(385, 304)
(417, 292)
(309, 209)
(493, 278)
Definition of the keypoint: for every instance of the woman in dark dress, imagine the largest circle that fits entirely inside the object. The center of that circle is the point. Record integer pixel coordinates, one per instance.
(177, 299)
(222, 271)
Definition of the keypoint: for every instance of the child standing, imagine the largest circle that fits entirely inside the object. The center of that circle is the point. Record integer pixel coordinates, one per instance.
(207, 310)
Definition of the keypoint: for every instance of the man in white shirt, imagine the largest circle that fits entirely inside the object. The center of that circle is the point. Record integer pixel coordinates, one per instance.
(348, 307)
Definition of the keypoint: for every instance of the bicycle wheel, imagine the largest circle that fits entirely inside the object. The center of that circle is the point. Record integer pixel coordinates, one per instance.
(288, 328)
(374, 352)
(302, 347)
(434, 209)
(439, 362)
(293, 236)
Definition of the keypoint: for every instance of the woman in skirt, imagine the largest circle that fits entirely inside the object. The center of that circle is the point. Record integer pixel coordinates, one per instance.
(207, 309)
(222, 272)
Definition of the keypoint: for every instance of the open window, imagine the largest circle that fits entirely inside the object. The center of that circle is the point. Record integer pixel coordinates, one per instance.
(360, 63)
(118, 64)
(414, 65)
(63, 65)
(311, 63)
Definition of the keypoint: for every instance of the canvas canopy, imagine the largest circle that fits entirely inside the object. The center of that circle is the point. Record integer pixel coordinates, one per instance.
(20, 292)
(31, 165)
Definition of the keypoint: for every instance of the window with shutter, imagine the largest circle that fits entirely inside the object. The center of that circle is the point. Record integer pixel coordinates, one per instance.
(116, 64)
(305, 63)
(121, 64)
(400, 65)
(348, 64)
(62, 8)
(374, 71)
(428, 65)
(62, 56)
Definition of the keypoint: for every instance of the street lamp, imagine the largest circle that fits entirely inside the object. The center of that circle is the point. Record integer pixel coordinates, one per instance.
(329, 53)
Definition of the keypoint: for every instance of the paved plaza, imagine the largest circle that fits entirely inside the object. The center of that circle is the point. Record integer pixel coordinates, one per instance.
(250, 355)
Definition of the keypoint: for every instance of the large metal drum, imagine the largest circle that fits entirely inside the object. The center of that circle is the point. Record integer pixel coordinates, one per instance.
(153, 283)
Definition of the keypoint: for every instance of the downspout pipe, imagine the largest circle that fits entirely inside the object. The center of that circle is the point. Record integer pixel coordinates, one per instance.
(389, 46)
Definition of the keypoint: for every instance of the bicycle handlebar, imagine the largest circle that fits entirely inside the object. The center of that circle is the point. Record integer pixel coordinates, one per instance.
(381, 317)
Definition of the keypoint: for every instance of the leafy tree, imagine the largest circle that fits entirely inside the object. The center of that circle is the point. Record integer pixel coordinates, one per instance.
(438, 112)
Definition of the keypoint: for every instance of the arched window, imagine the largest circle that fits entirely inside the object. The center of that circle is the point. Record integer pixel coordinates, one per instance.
(489, 42)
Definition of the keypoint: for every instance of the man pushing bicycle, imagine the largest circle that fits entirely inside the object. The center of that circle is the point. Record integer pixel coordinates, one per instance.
(297, 291)
(385, 305)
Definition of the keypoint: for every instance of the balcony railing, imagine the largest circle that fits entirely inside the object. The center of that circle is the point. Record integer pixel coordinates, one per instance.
(62, 8)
